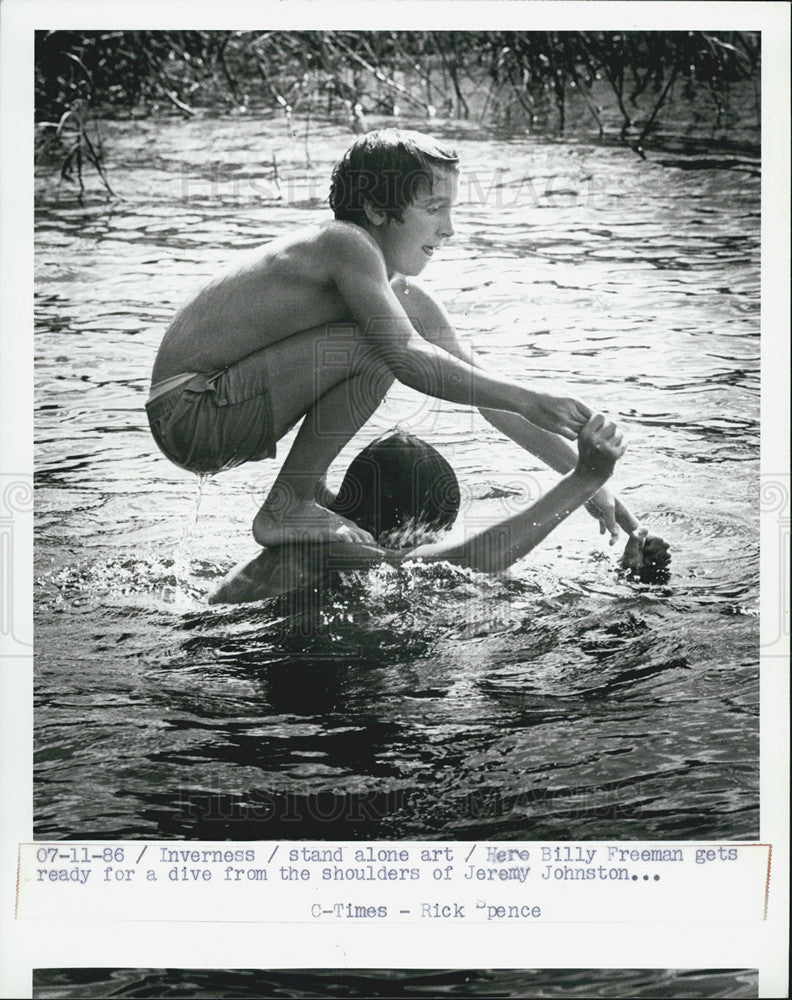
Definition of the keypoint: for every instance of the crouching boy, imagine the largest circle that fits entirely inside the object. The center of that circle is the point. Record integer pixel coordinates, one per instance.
(316, 325)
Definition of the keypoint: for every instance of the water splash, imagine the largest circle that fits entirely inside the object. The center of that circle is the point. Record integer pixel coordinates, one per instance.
(120, 581)
(182, 553)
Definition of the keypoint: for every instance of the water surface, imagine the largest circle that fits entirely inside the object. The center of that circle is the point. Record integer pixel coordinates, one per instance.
(558, 701)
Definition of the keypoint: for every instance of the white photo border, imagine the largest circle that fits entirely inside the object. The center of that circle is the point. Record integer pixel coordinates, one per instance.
(27, 945)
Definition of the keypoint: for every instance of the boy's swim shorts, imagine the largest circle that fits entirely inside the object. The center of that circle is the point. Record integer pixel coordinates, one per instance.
(213, 422)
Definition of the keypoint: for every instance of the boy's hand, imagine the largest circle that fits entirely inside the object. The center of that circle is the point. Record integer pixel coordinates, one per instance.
(646, 556)
(602, 507)
(600, 446)
(564, 415)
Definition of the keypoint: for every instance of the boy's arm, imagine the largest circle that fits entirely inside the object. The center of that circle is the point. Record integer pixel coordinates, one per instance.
(282, 568)
(277, 570)
(558, 455)
(358, 270)
(644, 552)
(600, 445)
(434, 324)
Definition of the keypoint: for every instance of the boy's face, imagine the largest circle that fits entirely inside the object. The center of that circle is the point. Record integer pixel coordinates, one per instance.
(409, 246)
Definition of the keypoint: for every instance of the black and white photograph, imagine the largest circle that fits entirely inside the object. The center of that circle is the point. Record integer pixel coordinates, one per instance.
(396, 448)
(340, 340)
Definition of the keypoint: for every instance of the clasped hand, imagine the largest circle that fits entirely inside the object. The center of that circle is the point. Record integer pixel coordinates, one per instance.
(564, 415)
(600, 446)
(646, 556)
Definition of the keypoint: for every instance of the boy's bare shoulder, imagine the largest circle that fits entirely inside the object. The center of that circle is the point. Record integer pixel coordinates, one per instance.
(347, 245)
(331, 234)
(317, 252)
(346, 234)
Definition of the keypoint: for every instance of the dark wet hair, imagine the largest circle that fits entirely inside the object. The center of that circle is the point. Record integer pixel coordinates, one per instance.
(399, 481)
(384, 168)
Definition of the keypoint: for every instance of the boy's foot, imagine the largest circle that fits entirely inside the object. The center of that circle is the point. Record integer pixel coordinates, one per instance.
(303, 521)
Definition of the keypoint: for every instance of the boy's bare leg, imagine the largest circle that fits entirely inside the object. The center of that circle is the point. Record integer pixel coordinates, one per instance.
(338, 383)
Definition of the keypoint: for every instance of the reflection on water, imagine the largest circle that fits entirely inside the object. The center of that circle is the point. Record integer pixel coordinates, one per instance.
(557, 702)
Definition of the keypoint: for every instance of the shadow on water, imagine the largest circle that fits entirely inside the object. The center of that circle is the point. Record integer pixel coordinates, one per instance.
(425, 702)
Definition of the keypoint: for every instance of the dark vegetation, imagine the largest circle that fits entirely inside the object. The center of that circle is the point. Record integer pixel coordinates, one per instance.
(617, 85)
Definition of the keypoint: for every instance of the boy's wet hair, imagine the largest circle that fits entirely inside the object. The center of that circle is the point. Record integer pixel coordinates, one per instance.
(399, 485)
(385, 169)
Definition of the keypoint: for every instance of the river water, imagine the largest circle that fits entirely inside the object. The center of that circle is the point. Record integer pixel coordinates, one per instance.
(558, 701)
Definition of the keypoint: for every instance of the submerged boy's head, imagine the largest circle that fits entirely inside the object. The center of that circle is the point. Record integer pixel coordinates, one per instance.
(385, 170)
(399, 483)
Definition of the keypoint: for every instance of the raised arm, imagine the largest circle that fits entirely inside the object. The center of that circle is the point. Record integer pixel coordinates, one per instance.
(600, 445)
(277, 570)
(429, 317)
(358, 270)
